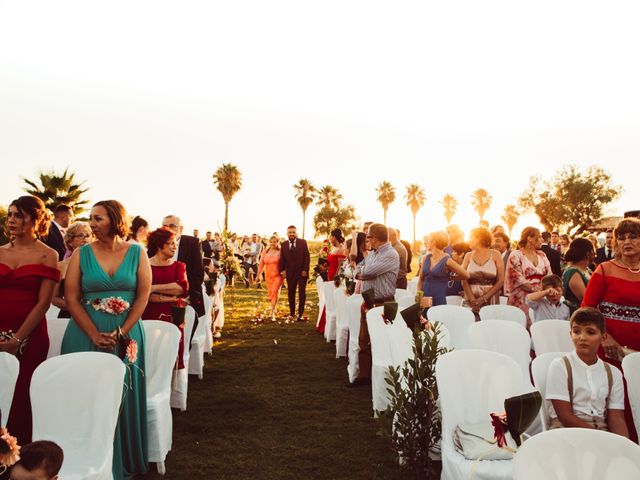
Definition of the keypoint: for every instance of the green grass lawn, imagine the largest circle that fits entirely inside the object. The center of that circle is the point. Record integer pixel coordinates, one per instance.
(274, 404)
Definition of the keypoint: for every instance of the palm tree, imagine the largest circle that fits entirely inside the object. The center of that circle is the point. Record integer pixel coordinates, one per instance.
(450, 204)
(415, 198)
(228, 180)
(329, 196)
(305, 195)
(510, 217)
(55, 189)
(386, 196)
(481, 201)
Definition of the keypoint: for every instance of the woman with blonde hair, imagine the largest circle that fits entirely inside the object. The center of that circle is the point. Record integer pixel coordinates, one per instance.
(270, 264)
(486, 270)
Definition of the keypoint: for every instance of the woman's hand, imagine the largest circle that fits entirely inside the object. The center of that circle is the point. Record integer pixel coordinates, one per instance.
(10, 346)
(104, 341)
(612, 349)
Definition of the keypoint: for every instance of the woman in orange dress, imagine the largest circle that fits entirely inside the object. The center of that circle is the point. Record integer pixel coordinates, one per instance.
(270, 264)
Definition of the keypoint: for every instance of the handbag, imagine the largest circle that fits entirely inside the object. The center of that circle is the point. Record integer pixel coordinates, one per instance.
(477, 442)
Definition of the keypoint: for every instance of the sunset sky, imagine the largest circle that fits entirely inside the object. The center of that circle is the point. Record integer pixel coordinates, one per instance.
(144, 100)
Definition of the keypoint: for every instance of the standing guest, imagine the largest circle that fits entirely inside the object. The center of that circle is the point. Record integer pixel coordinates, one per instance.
(378, 271)
(107, 268)
(402, 258)
(526, 268)
(270, 265)
(408, 247)
(218, 246)
(594, 240)
(502, 244)
(207, 246)
(196, 233)
(577, 274)
(454, 285)
(565, 241)
(139, 231)
(486, 271)
(605, 253)
(255, 249)
(62, 217)
(169, 284)
(77, 235)
(434, 274)
(552, 255)
(337, 253)
(614, 289)
(294, 266)
(554, 242)
(218, 300)
(28, 275)
(455, 235)
(497, 229)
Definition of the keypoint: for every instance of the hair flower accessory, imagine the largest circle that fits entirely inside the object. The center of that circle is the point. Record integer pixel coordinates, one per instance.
(110, 305)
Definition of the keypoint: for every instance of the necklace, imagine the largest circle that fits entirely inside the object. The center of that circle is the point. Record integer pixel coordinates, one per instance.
(632, 270)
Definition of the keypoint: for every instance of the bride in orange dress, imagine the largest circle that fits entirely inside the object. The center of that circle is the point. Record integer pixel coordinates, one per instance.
(270, 264)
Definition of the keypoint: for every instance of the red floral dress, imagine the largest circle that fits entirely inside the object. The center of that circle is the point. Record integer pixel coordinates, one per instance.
(519, 271)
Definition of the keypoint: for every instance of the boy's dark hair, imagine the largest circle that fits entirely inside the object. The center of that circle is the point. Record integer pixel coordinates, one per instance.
(589, 315)
(551, 281)
(323, 261)
(44, 455)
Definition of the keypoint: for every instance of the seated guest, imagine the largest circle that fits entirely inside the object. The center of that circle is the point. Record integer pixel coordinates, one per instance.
(169, 285)
(548, 304)
(75, 236)
(39, 460)
(577, 274)
(402, 253)
(584, 391)
(486, 271)
(139, 231)
(458, 251)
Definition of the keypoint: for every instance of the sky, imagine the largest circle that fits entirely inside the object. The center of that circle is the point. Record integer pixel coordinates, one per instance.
(145, 100)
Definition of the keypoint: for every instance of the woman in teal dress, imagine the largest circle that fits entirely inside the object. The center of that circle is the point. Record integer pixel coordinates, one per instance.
(577, 274)
(106, 268)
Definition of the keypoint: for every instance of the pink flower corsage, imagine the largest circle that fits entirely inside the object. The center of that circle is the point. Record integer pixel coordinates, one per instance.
(9, 449)
(499, 422)
(110, 305)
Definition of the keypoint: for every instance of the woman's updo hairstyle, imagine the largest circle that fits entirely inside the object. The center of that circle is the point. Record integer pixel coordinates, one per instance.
(34, 208)
(337, 233)
(157, 239)
(579, 249)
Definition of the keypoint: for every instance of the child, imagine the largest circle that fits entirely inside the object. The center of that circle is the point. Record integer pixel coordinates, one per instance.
(583, 390)
(39, 460)
(548, 304)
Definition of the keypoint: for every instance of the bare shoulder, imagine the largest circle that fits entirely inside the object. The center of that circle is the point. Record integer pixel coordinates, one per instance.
(48, 256)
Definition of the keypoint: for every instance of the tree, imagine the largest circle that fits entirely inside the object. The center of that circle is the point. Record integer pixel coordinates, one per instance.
(3, 225)
(570, 199)
(386, 196)
(54, 189)
(450, 204)
(481, 201)
(305, 195)
(416, 199)
(329, 196)
(510, 217)
(228, 180)
(332, 214)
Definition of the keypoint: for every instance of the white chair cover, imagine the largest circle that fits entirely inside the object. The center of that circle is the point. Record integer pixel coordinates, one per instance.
(330, 311)
(55, 329)
(218, 304)
(354, 305)
(9, 370)
(320, 289)
(577, 454)
(401, 341)
(456, 319)
(52, 312)
(503, 312)
(551, 336)
(631, 369)
(342, 322)
(504, 300)
(381, 357)
(75, 400)
(208, 313)
(539, 370)
(472, 384)
(180, 383)
(196, 356)
(405, 302)
(401, 293)
(454, 300)
(444, 339)
(412, 285)
(503, 337)
(161, 350)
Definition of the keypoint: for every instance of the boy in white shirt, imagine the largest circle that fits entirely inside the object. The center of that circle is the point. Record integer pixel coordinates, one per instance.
(583, 390)
(548, 303)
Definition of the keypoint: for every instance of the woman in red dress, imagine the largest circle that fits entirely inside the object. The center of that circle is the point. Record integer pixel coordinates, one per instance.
(169, 285)
(337, 254)
(614, 289)
(28, 276)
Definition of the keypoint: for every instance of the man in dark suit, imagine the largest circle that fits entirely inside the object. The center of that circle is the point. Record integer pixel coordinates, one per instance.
(207, 246)
(62, 218)
(605, 253)
(294, 266)
(552, 255)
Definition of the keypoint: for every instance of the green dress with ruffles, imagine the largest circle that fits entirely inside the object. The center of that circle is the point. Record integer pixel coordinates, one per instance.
(130, 447)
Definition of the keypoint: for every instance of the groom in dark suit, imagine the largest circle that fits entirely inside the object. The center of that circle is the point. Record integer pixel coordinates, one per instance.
(294, 266)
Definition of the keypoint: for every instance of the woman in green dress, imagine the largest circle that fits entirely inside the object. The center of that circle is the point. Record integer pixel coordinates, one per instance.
(107, 288)
(577, 274)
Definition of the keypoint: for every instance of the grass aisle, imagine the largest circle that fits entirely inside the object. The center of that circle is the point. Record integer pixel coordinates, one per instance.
(274, 405)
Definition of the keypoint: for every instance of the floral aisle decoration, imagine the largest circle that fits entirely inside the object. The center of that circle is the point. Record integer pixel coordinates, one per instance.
(230, 264)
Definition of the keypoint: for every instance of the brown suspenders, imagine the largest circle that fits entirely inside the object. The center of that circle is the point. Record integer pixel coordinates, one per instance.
(567, 365)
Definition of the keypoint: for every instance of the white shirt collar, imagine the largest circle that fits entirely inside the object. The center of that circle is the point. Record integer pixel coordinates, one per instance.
(60, 227)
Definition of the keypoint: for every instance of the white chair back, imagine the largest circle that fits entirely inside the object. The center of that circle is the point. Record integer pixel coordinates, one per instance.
(320, 290)
(52, 312)
(454, 300)
(539, 370)
(353, 309)
(503, 337)
(551, 336)
(504, 300)
(412, 285)
(75, 400)
(9, 370)
(342, 322)
(330, 311)
(401, 293)
(631, 369)
(208, 312)
(180, 384)
(503, 312)
(456, 319)
(55, 329)
(381, 357)
(577, 454)
(405, 302)
(401, 341)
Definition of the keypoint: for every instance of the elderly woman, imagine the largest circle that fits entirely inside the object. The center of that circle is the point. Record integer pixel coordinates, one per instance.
(77, 235)
(614, 289)
(526, 268)
(577, 274)
(486, 270)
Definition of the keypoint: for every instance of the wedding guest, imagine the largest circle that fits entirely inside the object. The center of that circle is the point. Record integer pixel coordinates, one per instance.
(139, 231)
(77, 235)
(337, 253)
(62, 217)
(40, 460)
(554, 242)
(28, 275)
(458, 252)
(526, 268)
(497, 229)
(548, 302)
(486, 271)
(218, 300)
(577, 274)
(401, 282)
(270, 265)
(196, 233)
(455, 235)
(217, 247)
(408, 247)
(255, 249)
(294, 267)
(322, 269)
(110, 268)
(565, 241)
(594, 240)
(605, 253)
(502, 244)
(169, 285)
(207, 246)
(552, 255)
